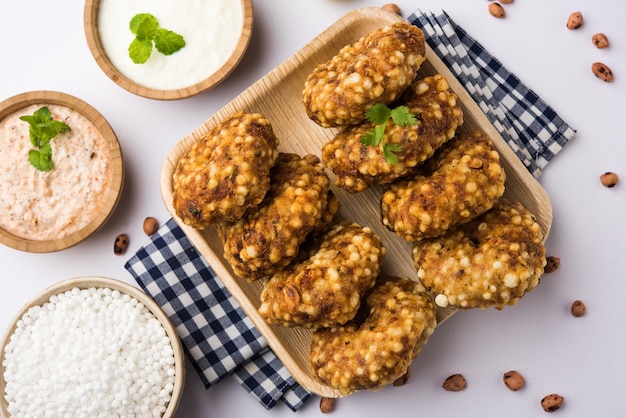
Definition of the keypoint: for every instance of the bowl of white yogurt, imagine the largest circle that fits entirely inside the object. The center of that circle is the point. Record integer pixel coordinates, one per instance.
(91, 346)
(61, 171)
(168, 50)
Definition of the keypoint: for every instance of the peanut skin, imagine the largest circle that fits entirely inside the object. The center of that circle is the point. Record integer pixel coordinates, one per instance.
(552, 402)
(575, 20)
(600, 40)
(602, 71)
(454, 383)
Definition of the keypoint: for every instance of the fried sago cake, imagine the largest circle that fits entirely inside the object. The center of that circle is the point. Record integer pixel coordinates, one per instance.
(491, 261)
(265, 240)
(375, 69)
(399, 318)
(226, 172)
(358, 165)
(326, 289)
(460, 182)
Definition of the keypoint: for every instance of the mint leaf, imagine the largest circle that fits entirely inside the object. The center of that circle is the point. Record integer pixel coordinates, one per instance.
(379, 114)
(41, 159)
(41, 130)
(147, 31)
(149, 22)
(402, 116)
(139, 51)
(168, 42)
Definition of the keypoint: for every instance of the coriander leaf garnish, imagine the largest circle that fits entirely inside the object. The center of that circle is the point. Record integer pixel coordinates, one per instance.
(146, 29)
(379, 115)
(41, 130)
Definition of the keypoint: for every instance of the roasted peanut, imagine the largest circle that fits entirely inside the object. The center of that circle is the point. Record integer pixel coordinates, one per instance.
(513, 380)
(609, 179)
(454, 383)
(327, 405)
(578, 308)
(496, 10)
(506, 1)
(575, 20)
(552, 264)
(552, 402)
(401, 381)
(121, 244)
(600, 40)
(150, 225)
(392, 7)
(602, 71)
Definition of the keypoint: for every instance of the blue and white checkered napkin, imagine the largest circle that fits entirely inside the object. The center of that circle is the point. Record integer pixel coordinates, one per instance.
(219, 339)
(531, 128)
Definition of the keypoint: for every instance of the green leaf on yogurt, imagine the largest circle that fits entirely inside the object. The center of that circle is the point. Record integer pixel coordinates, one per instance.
(168, 42)
(42, 129)
(149, 34)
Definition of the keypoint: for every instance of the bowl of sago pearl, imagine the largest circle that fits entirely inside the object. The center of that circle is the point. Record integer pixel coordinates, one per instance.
(168, 50)
(91, 346)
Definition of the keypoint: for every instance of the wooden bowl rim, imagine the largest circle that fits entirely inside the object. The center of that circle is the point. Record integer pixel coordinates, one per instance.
(43, 97)
(86, 282)
(90, 23)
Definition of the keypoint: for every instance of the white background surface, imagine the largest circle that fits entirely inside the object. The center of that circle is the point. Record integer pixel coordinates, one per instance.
(582, 359)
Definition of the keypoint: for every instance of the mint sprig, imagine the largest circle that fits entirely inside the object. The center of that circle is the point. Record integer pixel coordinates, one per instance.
(41, 131)
(148, 33)
(379, 114)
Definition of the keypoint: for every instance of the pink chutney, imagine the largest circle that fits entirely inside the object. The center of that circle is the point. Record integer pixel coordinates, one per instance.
(43, 206)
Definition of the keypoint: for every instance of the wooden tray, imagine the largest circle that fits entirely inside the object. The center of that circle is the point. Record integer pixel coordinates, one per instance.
(278, 96)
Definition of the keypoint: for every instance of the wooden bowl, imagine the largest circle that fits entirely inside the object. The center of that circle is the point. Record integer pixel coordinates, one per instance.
(94, 41)
(112, 194)
(278, 96)
(122, 287)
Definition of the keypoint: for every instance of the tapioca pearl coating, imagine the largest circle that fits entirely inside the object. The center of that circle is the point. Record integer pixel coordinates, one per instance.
(87, 352)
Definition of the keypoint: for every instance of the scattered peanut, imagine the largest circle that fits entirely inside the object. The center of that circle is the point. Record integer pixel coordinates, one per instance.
(392, 7)
(454, 383)
(552, 402)
(600, 40)
(513, 380)
(602, 71)
(327, 405)
(609, 179)
(121, 244)
(150, 225)
(578, 308)
(575, 20)
(401, 381)
(552, 264)
(496, 10)
(506, 1)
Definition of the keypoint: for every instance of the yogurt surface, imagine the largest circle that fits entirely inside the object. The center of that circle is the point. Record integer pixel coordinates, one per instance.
(210, 28)
(50, 205)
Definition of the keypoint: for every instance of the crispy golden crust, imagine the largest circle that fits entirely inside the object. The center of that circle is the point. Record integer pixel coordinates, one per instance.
(373, 354)
(326, 289)
(226, 172)
(375, 69)
(357, 165)
(491, 261)
(265, 240)
(462, 181)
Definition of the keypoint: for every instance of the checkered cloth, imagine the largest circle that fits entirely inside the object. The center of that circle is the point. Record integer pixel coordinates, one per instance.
(531, 128)
(218, 338)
